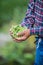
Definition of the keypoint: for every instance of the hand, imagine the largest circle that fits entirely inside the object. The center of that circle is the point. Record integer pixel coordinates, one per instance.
(21, 36)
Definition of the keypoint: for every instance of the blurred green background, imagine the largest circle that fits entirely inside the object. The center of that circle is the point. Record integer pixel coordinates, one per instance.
(12, 12)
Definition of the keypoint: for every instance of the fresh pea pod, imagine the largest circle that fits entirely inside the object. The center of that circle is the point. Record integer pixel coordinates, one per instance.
(16, 29)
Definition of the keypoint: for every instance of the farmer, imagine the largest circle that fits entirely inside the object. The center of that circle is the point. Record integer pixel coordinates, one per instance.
(34, 23)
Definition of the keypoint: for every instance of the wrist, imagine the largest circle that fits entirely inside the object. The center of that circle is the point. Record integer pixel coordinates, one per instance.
(29, 31)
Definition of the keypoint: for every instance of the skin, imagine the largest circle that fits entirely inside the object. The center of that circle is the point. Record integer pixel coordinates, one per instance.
(24, 35)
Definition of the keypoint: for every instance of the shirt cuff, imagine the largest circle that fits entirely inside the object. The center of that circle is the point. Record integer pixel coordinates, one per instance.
(34, 31)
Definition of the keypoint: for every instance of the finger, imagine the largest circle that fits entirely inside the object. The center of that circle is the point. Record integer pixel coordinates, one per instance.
(16, 40)
(21, 38)
(20, 34)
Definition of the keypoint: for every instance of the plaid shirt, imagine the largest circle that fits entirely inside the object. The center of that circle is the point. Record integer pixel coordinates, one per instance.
(34, 17)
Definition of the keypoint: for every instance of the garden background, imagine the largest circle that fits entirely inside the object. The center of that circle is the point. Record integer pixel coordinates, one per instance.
(12, 12)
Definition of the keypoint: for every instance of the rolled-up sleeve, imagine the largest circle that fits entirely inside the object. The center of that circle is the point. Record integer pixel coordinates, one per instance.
(36, 31)
(28, 21)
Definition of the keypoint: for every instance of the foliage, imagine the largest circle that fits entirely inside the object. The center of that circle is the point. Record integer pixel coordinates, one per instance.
(7, 9)
(13, 53)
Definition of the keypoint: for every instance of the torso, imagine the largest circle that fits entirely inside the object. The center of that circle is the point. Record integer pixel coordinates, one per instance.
(39, 12)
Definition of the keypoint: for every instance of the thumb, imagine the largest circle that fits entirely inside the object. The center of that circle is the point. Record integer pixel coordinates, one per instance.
(20, 34)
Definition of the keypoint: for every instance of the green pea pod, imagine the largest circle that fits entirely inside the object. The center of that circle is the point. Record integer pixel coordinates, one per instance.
(17, 29)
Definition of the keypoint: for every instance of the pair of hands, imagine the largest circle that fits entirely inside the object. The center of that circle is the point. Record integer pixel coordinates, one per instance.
(24, 35)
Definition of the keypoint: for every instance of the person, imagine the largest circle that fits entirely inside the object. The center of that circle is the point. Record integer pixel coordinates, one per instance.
(34, 23)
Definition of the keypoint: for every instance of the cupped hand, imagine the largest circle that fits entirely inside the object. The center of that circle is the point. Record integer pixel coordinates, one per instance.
(22, 36)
